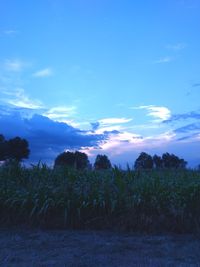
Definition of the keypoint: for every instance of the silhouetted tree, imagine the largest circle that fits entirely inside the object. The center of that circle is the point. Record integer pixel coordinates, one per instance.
(77, 160)
(17, 149)
(102, 162)
(173, 162)
(144, 161)
(65, 159)
(3, 148)
(81, 160)
(158, 162)
(13, 149)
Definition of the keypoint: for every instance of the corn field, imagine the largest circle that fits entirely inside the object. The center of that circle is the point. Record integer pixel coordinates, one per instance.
(143, 201)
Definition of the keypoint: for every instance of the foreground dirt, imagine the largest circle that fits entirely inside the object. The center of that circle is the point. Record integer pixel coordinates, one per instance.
(28, 248)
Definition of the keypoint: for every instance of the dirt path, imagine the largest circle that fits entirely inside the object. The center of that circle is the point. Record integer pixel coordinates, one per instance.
(28, 248)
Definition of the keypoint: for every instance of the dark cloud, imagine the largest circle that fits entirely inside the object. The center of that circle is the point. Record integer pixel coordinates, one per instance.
(184, 116)
(111, 132)
(188, 128)
(95, 125)
(46, 137)
(193, 88)
(187, 137)
(196, 85)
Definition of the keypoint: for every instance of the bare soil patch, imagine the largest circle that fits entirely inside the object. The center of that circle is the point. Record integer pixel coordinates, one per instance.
(60, 248)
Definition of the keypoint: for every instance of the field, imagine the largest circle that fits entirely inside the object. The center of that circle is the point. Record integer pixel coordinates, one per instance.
(141, 201)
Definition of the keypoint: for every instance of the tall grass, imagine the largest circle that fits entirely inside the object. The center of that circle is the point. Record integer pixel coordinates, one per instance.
(158, 200)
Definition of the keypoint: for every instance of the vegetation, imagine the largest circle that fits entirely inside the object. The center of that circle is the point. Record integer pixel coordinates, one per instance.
(102, 163)
(144, 161)
(13, 149)
(160, 194)
(167, 161)
(147, 200)
(77, 160)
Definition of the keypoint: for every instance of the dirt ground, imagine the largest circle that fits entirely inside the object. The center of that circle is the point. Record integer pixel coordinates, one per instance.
(41, 248)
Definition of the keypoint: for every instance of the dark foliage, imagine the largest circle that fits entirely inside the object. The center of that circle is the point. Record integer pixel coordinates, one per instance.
(173, 162)
(167, 161)
(13, 149)
(144, 161)
(76, 160)
(158, 162)
(145, 201)
(3, 148)
(102, 162)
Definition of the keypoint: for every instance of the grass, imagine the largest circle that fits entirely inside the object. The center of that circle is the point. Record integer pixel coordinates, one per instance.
(145, 201)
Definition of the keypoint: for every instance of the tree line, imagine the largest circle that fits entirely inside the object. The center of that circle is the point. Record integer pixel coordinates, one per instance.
(18, 149)
(145, 161)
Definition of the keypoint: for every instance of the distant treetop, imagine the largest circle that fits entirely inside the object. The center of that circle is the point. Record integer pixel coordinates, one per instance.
(13, 149)
(76, 160)
(102, 162)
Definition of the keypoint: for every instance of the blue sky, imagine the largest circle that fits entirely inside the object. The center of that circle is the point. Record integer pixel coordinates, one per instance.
(109, 76)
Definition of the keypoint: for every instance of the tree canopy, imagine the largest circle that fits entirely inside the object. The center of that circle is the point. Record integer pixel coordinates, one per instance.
(144, 161)
(158, 162)
(13, 149)
(102, 162)
(172, 161)
(3, 148)
(77, 160)
(167, 161)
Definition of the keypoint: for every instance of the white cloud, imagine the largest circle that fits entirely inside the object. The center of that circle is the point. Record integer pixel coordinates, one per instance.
(164, 60)
(20, 99)
(60, 113)
(114, 120)
(111, 124)
(14, 65)
(43, 73)
(176, 47)
(157, 112)
(127, 142)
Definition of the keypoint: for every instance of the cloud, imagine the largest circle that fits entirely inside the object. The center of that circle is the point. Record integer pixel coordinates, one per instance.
(176, 47)
(60, 113)
(109, 125)
(123, 143)
(188, 128)
(196, 85)
(177, 117)
(192, 88)
(18, 98)
(157, 112)
(164, 60)
(107, 121)
(95, 125)
(14, 65)
(189, 137)
(43, 73)
(46, 137)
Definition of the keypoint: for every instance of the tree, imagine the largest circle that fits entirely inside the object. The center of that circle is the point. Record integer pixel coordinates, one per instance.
(81, 160)
(17, 149)
(173, 162)
(13, 149)
(77, 160)
(3, 148)
(158, 162)
(102, 162)
(144, 161)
